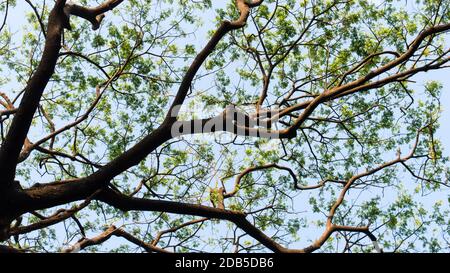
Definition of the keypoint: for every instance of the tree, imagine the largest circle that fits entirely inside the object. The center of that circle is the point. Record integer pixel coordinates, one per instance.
(316, 126)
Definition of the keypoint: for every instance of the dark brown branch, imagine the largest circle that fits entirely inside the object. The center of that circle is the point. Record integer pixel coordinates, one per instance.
(38, 17)
(94, 15)
(8, 112)
(17, 133)
(58, 217)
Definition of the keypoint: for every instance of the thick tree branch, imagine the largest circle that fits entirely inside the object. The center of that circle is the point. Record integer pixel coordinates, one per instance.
(8, 249)
(94, 15)
(61, 193)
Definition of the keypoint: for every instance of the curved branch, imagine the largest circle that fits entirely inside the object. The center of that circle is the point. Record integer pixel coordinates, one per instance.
(17, 133)
(94, 15)
(361, 84)
(225, 27)
(330, 227)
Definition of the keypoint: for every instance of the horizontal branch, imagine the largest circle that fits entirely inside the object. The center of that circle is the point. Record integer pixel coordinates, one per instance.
(20, 125)
(8, 249)
(107, 234)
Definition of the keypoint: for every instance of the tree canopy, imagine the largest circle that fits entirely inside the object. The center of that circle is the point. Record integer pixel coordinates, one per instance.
(333, 108)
